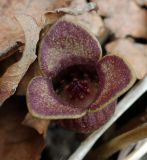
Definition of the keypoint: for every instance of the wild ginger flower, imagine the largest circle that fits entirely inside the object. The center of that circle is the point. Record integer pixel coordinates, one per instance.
(75, 80)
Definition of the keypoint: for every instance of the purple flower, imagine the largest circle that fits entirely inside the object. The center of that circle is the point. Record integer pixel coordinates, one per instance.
(76, 82)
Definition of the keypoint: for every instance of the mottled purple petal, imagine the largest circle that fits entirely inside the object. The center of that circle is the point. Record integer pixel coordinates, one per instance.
(43, 103)
(66, 39)
(115, 77)
(91, 121)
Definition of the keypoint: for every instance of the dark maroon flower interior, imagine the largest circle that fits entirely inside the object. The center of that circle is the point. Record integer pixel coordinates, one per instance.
(77, 84)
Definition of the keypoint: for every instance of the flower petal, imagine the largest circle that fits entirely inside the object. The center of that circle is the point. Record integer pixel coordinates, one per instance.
(43, 103)
(91, 121)
(66, 39)
(115, 78)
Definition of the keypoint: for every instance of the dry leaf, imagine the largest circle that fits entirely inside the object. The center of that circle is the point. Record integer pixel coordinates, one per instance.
(17, 141)
(13, 49)
(92, 22)
(135, 53)
(119, 142)
(10, 79)
(41, 125)
(77, 10)
(33, 71)
(124, 17)
(142, 2)
(81, 12)
(11, 31)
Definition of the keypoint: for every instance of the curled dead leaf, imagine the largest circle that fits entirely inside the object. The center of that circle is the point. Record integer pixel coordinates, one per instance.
(123, 17)
(10, 29)
(33, 71)
(13, 49)
(11, 78)
(17, 141)
(77, 10)
(135, 54)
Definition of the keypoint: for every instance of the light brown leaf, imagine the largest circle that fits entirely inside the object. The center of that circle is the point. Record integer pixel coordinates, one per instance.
(77, 10)
(17, 141)
(41, 125)
(135, 54)
(123, 17)
(92, 22)
(10, 79)
(142, 2)
(11, 31)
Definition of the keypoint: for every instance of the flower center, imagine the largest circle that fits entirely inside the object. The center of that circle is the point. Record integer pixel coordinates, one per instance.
(77, 85)
(78, 89)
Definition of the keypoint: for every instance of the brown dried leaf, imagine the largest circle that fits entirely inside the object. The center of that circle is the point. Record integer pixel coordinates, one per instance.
(81, 12)
(134, 53)
(120, 142)
(124, 17)
(17, 141)
(32, 72)
(142, 2)
(10, 79)
(13, 49)
(11, 31)
(41, 125)
(92, 22)
(77, 10)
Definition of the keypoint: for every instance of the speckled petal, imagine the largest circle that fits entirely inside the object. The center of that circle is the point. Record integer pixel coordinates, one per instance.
(91, 121)
(43, 103)
(63, 40)
(115, 78)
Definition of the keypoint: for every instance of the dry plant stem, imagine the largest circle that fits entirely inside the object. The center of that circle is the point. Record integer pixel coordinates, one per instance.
(137, 154)
(124, 152)
(140, 143)
(120, 142)
(139, 89)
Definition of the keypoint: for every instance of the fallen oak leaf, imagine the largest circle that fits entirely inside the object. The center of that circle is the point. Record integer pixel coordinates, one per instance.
(41, 125)
(123, 18)
(18, 141)
(76, 10)
(135, 53)
(11, 33)
(11, 78)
